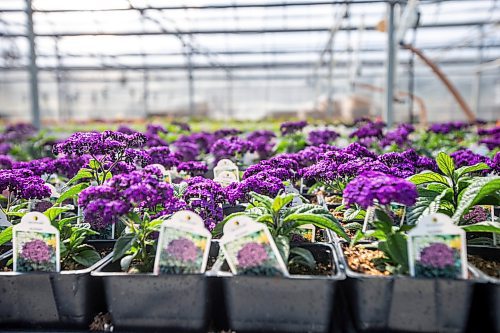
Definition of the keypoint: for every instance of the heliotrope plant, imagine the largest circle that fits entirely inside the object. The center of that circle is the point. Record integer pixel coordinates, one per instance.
(292, 137)
(283, 220)
(454, 192)
(106, 149)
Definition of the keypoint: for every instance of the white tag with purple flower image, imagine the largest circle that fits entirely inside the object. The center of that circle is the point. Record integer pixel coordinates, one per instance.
(437, 249)
(36, 245)
(183, 245)
(226, 165)
(225, 178)
(249, 248)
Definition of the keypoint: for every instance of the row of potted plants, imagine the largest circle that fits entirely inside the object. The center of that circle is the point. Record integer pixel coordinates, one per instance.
(108, 185)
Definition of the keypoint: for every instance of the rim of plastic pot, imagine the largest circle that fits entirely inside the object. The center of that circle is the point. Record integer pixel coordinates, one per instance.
(339, 273)
(475, 278)
(87, 270)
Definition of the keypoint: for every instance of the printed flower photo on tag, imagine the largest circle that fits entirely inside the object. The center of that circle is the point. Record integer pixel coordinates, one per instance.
(36, 251)
(437, 256)
(304, 233)
(182, 253)
(253, 254)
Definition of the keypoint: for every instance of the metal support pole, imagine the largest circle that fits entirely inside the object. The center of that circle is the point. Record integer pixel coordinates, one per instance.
(192, 107)
(145, 92)
(477, 84)
(330, 84)
(35, 103)
(390, 77)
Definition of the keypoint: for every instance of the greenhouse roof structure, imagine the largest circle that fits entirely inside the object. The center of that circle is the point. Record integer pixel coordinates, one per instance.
(242, 57)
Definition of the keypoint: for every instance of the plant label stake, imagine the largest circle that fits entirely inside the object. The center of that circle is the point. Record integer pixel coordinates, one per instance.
(4, 222)
(36, 245)
(167, 175)
(250, 249)
(183, 245)
(437, 249)
(225, 178)
(226, 165)
(308, 232)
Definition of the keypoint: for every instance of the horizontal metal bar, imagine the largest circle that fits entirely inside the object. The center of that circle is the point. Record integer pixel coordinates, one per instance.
(457, 61)
(231, 6)
(237, 31)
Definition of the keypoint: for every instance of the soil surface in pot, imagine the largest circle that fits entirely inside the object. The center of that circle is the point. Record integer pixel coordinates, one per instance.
(320, 269)
(363, 260)
(489, 267)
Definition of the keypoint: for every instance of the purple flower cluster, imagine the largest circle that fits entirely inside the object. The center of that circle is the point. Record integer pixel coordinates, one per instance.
(231, 148)
(68, 166)
(291, 127)
(285, 166)
(263, 141)
(193, 168)
(182, 125)
(38, 167)
(399, 136)
(225, 132)
(375, 187)
(205, 197)
(495, 163)
(182, 249)
(437, 255)
(262, 183)
(466, 157)
(186, 151)
(23, 184)
(18, 133)
(449, 127)
(251, 255)
(492, 139)
(320, 137)
(105, 204)
(162, 156)
(37, 251)
(369, 130)
(97, 144)
(6, 162)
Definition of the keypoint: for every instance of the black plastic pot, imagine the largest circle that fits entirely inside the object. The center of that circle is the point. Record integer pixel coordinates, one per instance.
(228, 209)
(69, 299)
(405, 304)
(274, 304)
(486, 304)
(156, 303)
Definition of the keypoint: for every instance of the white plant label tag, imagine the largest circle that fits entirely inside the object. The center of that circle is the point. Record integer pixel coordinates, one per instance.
(183, 245)
(249, 248)
(226, 165)
(36, 245)
(4, 221)
(296, 201)
(225, 178)
(437, 249)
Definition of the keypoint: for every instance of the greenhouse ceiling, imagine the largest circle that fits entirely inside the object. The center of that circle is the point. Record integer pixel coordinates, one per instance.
(293, 42)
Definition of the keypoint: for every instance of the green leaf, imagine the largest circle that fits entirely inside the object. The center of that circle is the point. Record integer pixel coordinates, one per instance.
(262, 200)
(445, 164)
(123, 245)
(472, 168)
(486, 226)
(53, 212)
(63, 222)
(87, 257)
(428, 177)
(472, 195)
(301, 256)
(281, 201)
(83, 173)
(322, 221)
(357, 237)
(283, 245)
(71, 192)
(427, 203)
(6, 235)
(395, 247)
(354, 214)
(93, 164)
